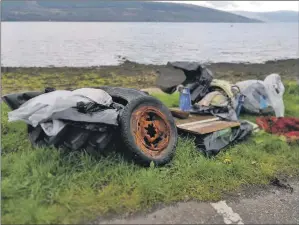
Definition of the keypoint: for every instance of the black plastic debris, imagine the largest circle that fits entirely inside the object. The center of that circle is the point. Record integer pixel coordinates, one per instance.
(189, 74)
(213, 143)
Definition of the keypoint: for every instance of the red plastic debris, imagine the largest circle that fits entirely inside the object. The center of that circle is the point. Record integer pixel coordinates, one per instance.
(286, 126)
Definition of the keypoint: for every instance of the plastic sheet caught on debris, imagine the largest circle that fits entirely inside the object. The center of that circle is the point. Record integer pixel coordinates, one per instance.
(214, 98)
(53, 127)
(49, 109)
(263, 97)
(190, 74)
(60, 105)
(256, 98)
(217, 104)
(275, 90)
(288, 127)
(219, 140)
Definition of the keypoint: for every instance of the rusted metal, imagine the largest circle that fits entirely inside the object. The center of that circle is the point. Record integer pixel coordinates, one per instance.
(151, 130)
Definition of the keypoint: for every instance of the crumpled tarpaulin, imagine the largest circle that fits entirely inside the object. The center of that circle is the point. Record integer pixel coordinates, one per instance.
(215, 142)
(189, 74)
(214, 98)
(255, 92)
(227, 113)
(217, 104)
(263, 97)
(51, 109)
(287, 126)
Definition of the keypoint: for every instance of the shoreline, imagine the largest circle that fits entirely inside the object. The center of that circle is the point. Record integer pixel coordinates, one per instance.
(133, 75)
(287, 68)
(125, 62)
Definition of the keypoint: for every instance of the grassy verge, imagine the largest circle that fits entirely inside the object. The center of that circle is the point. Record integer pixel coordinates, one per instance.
(13, 82)
(130, 74)
(49, 186)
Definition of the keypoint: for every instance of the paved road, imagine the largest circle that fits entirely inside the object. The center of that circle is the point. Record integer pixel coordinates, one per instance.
(262, 206)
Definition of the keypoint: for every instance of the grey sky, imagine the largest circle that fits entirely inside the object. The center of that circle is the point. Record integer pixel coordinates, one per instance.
(254, 6)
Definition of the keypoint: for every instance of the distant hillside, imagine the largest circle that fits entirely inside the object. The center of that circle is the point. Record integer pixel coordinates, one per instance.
(113, 11)
(277, 16)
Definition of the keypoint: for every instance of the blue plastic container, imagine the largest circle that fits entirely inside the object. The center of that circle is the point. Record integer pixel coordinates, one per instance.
(185, 100)
(263, 102)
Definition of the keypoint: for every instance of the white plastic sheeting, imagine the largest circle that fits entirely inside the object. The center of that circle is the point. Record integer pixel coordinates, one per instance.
(271, 88)
(275, 90)
(53, 127)
(48, 108)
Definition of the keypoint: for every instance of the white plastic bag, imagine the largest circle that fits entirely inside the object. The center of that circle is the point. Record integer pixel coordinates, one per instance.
(275, 90)
(53, 127)
(256, 97)
(272, 87)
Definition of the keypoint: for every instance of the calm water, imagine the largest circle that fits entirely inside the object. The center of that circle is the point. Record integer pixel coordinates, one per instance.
(87, 44)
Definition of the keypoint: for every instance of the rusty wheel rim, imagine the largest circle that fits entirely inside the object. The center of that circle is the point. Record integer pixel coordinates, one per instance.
(151, 130)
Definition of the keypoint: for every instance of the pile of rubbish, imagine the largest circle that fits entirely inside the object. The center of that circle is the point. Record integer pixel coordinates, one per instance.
(201, 95)
(95, 118)
(145, 129)
(220, 97)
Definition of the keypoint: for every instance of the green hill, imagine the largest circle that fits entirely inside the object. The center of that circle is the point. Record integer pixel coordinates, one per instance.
(113, 11)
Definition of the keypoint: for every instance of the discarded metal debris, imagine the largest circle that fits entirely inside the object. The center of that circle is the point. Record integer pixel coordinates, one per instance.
(91, 118)
(209, 96)
(151, 130)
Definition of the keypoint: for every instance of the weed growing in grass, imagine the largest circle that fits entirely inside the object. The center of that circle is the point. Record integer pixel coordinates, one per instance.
(46, 185)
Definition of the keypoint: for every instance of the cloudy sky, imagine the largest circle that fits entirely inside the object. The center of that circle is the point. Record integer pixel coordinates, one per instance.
(254, 6)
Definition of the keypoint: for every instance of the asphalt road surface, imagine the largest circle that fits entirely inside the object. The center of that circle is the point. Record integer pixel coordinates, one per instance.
(271, 205)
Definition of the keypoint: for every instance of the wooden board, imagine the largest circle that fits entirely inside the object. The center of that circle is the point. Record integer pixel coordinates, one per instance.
(203, 124)
(206, 127)
(194, 118)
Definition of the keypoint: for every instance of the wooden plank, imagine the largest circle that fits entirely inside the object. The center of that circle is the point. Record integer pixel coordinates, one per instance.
(194, 118)
(197, 122)
(176, 113)
(208, 127)
(203, 124)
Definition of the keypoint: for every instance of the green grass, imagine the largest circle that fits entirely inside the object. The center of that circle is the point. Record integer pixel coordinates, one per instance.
(50, 186)
(12, 82)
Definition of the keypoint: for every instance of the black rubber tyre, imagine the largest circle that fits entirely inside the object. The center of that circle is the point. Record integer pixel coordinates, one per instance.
(128, 132)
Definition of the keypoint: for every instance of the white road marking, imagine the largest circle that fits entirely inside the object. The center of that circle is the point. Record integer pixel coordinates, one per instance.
(229, 216)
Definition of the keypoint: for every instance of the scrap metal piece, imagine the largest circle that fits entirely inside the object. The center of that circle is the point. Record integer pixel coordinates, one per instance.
(151, 130)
